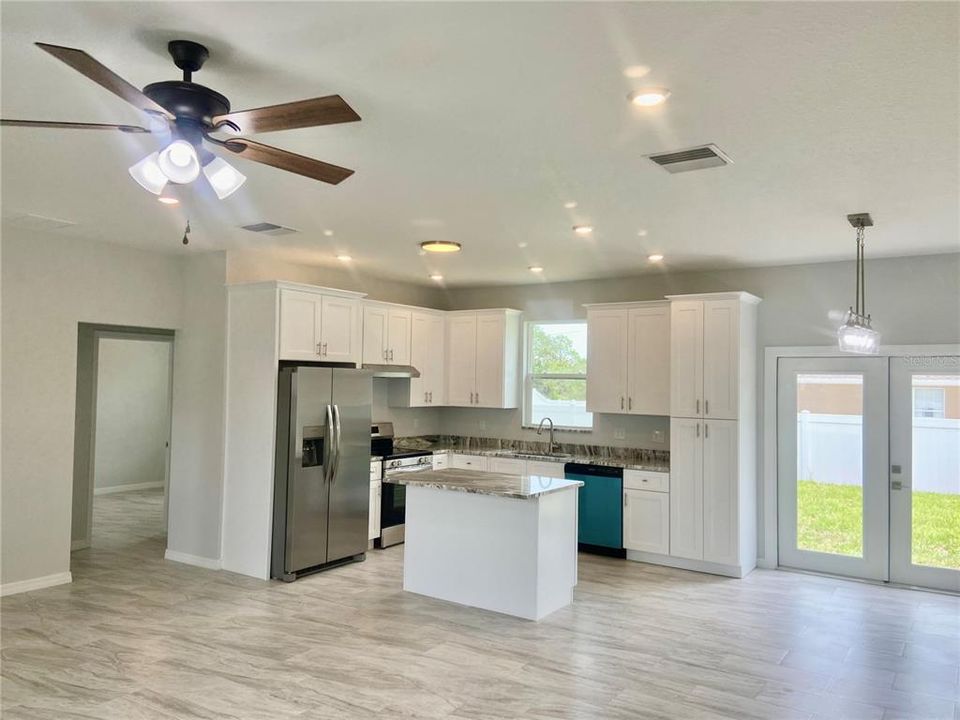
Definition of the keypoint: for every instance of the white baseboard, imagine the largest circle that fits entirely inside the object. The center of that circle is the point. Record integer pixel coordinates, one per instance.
(111, 489)
(734, 571)
(38, 583)
(187, 559)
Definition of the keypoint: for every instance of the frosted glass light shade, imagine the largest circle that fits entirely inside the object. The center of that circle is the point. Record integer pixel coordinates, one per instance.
(179, 162)
(148, 174)
(223, 177)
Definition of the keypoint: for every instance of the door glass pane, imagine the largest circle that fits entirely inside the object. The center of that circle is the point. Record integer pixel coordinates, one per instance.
(830, 463)
(935, 476)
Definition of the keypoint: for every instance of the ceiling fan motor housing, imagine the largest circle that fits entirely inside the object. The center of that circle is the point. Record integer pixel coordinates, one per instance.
(188, 100)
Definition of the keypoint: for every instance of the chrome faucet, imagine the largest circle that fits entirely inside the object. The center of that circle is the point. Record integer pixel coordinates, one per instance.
(553, 445)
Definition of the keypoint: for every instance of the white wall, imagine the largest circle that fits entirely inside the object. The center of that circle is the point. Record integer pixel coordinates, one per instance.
(50, 283)
(196, 463)
(133, 412)
(406, 421)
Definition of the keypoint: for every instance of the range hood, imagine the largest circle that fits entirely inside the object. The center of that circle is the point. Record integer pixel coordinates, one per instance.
(391, 371)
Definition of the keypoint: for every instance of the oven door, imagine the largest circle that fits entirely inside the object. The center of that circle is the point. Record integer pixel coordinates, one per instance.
(393, 507)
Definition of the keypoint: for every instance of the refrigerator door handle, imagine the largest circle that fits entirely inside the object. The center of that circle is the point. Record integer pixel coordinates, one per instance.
(328, 446)
(336, 445)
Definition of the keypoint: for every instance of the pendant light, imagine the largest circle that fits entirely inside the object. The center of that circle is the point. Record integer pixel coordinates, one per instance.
(856, 335)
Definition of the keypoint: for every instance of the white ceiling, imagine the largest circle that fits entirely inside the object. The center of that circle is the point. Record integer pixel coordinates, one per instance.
(480, 120)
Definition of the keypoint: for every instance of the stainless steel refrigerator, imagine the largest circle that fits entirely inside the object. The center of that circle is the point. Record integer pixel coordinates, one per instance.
(322, 478)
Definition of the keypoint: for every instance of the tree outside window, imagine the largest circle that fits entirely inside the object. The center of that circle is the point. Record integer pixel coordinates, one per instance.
(556, 374)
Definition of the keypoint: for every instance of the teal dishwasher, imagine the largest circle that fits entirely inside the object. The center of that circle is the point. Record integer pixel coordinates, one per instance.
(600, 508)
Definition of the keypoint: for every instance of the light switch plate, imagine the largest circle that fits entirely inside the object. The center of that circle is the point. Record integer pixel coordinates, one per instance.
(657, 436)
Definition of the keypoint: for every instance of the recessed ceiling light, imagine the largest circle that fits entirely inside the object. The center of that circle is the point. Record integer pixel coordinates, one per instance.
(649, 96)
(344, 258)
(570, 205)
(641, 232)
(436, 276)
(328, 233)
(636, 71)
(521, 244)
(656, 257)
(535, 269)
(440, 246)
(583, 229)
(167, 200)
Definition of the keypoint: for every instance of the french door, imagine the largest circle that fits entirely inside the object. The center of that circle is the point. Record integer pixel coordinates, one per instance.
(832, 465)
(869, 467)
(925, 471)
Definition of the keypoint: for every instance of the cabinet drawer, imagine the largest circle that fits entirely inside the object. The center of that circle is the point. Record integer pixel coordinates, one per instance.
(645, 480)
(441, 461)
(468, 462)
(506, 466)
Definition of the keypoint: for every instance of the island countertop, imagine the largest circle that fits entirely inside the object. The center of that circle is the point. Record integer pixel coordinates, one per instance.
(485, 483)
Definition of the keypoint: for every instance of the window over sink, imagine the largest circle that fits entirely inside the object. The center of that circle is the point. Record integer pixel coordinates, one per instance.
(555, 374)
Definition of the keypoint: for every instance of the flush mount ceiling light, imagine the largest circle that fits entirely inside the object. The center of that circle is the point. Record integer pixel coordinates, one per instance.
(436, 276)
(570, 205)
(328, 233)
(583, 229)
(535, 269)
(223, 177)
(440, 246)
(647, 97)
(655, 258)
(856, 335)
(344, 258)
(641, 232)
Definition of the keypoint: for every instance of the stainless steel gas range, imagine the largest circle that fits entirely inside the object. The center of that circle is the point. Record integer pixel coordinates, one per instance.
(393, 503)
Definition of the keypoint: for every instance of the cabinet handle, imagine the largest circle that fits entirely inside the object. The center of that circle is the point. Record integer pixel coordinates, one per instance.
(431, 396)
(629, 403)
(621, 402)
(391, 354)
(424, 397)
(626, 499)
(706, 407)
(384, 353)
(319, 345)
(706, 431)
(324, 349)
(478, 398)
(698, 406)
(698, 429)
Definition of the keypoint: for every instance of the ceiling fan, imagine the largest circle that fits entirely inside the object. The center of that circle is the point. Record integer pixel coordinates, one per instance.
(184, 114)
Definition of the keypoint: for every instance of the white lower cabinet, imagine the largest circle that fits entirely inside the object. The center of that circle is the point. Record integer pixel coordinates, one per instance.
(506, 466)
(441, 461)
(468, 462)
(542, 468)
(374, 526)
(646, 521)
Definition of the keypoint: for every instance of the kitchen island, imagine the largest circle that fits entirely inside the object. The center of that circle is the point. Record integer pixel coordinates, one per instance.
(506, 543)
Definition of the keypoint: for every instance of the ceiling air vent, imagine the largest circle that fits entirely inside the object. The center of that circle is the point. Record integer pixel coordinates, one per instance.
(696, 158)
(269, 229)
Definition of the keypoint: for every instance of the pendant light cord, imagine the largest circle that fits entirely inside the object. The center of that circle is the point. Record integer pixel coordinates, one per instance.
(861, 278)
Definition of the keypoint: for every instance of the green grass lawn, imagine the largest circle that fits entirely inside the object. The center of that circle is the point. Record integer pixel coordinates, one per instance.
(830, 519)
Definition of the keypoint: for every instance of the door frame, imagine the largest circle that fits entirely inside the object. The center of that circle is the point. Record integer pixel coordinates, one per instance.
(768, 529)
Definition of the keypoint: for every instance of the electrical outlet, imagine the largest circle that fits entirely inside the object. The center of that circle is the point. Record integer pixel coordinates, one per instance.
(619, 434)
(657, 436)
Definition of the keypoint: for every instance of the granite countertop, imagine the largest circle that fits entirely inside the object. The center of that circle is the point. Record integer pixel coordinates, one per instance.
(376, 458)
(626, 463)
(522, 487)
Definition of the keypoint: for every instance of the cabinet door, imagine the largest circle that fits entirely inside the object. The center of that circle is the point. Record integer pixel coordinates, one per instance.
(461, 360)
(721, 348)
(374, 334)
(541, 468)
(686, 488)
(374, 525)
(468, 462)
(436, 386)
(648, 361)
(646, 521)
(607, 331)
(686, 358)
(720, 492)
(425, 349)
(299, 321)
(339, 329)
(506, 466)
(491, 331)
(398, 333)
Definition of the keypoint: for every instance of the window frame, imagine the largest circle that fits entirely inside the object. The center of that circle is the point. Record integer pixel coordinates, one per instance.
(527, 420)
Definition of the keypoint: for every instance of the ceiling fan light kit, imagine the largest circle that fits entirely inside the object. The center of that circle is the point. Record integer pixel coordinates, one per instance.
(183, 115)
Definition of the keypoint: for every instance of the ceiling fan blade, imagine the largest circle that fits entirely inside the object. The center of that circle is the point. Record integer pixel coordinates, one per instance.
(284, 160)
(74, 125)
(105, 77)
(303, 113)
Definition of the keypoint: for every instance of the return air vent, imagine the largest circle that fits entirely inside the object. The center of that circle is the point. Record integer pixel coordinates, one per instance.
(269, 229)
(695, 158)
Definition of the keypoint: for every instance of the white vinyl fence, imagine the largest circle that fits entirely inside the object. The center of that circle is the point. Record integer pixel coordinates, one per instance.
(829, 450)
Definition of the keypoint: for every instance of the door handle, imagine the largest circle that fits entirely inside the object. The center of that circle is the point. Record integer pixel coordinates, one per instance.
(339, 437)
(328, 444)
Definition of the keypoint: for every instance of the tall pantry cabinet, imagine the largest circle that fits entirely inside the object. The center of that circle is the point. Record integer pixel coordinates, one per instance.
(713, 486)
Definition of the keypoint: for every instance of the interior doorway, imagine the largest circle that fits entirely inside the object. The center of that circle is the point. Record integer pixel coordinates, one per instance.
(868, 470)
(122, 437)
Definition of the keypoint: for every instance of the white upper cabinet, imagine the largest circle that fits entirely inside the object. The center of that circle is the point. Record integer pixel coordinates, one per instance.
(686, 358)
(386, 334)
(315, 326)
(648, 360)
(427, 355)
(628, 358)
(483, 358)
(712, 341)
(607, 331)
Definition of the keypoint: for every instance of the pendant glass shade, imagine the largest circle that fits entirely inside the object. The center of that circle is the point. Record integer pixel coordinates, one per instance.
(856, 336)
(148, 174)
(179, 162)
(223, 177)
